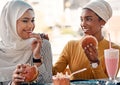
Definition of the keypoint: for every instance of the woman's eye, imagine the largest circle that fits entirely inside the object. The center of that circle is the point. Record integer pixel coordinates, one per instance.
(81, 19)
(89, 19)
(32, 20)
(24, 20)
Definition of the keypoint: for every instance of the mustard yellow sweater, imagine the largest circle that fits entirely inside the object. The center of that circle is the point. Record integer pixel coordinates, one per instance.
(74, 56)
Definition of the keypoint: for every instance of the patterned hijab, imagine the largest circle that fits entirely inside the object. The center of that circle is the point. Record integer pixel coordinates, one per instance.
(13, 49)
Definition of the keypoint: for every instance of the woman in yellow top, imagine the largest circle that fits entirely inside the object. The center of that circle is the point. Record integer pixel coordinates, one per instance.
(94, 16)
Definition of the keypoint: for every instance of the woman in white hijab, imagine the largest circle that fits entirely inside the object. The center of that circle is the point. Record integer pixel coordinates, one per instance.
(19, 45)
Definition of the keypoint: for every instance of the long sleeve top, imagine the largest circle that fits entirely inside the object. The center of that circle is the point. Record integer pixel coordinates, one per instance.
(74, 57)
(45, 70)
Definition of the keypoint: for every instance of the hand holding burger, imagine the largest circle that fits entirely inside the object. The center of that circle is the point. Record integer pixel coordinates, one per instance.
(29, 72)
(24, 73)
(89, 39)
(90, 45)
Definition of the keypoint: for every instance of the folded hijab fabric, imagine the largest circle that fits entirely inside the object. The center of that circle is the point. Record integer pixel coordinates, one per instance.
(13, 49)
(101, 8)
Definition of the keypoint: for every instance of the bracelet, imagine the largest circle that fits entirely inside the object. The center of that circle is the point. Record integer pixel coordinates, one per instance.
(37, 60)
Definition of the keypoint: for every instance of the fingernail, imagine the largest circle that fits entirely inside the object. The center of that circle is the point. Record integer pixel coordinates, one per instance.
(90, 44)
(90, 53)
(87, 45)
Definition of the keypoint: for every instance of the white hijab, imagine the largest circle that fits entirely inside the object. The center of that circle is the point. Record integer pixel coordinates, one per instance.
(13, 49)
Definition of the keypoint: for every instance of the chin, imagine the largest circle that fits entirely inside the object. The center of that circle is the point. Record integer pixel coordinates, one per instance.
(24, 38)
(88, 33)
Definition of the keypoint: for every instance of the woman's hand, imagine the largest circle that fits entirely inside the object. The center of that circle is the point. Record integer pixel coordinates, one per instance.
(91, 53)
(16, 77)
(45, 36)
(36, 45)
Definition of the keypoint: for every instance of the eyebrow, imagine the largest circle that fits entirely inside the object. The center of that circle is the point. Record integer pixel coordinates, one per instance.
(87, 16)
(27, 18)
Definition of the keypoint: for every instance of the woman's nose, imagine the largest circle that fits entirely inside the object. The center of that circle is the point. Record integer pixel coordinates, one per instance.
(31, 25)
(83, 23)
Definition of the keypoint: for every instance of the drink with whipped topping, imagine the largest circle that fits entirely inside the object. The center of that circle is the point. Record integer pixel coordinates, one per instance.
(61, 79)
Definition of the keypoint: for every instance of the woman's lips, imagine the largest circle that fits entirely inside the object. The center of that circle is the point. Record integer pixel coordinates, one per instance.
(29, 31)
(85, 30)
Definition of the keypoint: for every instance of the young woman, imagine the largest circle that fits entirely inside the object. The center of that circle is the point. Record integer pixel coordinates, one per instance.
(94, 16)
(20, 46)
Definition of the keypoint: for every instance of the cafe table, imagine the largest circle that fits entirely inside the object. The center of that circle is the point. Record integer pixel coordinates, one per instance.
(81, 82)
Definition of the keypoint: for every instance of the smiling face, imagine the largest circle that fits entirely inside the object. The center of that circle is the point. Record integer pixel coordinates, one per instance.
(25, 24)
(90, 22)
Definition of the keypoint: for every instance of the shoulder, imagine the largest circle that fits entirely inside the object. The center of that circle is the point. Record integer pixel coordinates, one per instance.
(73, 42)
(114, 45)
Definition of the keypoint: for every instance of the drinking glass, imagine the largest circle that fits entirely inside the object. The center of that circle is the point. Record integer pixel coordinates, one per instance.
(111, 62)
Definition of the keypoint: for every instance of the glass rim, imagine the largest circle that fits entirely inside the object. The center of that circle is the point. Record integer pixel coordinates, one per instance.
(113, 49)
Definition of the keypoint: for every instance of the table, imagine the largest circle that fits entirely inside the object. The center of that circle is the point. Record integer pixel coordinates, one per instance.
(79, 82)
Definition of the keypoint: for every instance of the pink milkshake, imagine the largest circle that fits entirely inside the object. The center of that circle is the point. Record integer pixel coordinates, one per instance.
(111, 61)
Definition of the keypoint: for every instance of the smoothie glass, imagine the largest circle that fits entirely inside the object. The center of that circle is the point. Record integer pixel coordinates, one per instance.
(111, 62)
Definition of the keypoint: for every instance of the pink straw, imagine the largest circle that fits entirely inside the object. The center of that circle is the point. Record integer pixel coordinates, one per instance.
(109, 41)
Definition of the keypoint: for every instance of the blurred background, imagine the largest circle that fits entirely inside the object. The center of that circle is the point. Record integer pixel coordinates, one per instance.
(60, 19)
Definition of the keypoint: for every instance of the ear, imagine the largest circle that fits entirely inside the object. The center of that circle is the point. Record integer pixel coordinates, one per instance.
(102, 22)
